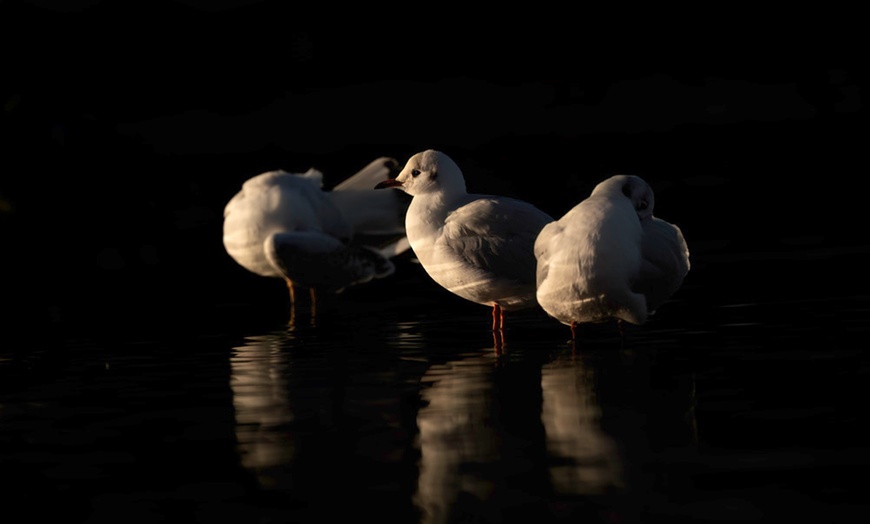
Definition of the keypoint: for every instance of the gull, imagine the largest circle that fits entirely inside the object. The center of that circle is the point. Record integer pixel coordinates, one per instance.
(284, 225)
(479, 247)
(609, 257)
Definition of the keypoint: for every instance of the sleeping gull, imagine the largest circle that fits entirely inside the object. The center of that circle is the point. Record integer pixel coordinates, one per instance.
(284, 225)
(609, 257)
(479, 247)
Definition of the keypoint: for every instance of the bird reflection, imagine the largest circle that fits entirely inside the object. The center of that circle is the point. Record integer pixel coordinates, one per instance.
(500, 435)
(646, 401)
(262, 409)
(455, 429)
(584, 460)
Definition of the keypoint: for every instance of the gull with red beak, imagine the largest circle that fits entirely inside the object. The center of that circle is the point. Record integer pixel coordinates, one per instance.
(479, 247)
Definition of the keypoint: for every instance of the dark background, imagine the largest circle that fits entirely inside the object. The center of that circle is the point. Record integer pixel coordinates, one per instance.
(126, 128)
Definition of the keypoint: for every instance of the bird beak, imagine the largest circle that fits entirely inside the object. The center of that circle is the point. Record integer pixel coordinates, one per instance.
(392, 182)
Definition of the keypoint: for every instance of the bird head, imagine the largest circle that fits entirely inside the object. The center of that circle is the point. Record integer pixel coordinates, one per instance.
(429, 171)
(632, 187)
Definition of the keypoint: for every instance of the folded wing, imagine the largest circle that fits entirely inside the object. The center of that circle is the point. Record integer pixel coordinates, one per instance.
(315, 260)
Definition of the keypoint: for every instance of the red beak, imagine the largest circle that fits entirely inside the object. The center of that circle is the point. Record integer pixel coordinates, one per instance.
(391, 182)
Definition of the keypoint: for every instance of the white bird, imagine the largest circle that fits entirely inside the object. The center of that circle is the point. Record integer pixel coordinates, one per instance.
(479, 247)
(284, 225)
(609, 257)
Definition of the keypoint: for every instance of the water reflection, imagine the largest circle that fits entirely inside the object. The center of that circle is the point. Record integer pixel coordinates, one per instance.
(327, 411)
(262, 405)
(647, 406)
(448, 431)
(456, 429)
(504, 437)
(584, 460)
(724, 414)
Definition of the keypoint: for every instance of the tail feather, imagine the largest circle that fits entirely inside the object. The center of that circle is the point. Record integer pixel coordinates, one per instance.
(376, 171)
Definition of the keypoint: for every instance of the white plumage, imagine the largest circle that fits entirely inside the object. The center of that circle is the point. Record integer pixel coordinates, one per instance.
(479, 247)
(609, 257)
(284, 225)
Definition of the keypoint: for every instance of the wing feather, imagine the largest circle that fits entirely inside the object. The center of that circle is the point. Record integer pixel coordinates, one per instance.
(496, 235)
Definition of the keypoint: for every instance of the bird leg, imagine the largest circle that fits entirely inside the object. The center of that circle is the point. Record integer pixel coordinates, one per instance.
(497, 342)
(292, 291)
(498, 328)
(497, 318)
(292, 302)
(313, 294)
(573, 327)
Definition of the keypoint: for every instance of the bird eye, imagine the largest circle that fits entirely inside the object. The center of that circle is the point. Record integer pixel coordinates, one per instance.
(643, 204)
(415, 173)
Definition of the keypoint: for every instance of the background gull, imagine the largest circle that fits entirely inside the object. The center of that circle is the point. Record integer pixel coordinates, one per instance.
(284, 225)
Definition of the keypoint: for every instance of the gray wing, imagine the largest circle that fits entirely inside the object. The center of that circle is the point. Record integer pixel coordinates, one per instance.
(665, 261)
(496, 235)
(315, 260)
(543, 247)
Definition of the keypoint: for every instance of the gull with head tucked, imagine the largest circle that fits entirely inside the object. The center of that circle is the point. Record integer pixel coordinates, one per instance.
(609, 257)
(284, 225)
(479, 247)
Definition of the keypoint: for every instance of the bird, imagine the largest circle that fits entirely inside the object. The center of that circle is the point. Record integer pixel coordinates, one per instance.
(477, 246)
(609, 258)
(285, 225)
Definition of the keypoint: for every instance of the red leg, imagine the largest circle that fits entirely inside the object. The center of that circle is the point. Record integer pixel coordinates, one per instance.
(292, 291)
(497, 342)
(497, 317)
(292, 302)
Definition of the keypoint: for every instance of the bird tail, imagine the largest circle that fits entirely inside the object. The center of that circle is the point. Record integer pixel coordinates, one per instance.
(366, 178)
(395, 248)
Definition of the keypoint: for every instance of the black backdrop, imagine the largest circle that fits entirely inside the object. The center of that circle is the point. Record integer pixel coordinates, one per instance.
(127, 127)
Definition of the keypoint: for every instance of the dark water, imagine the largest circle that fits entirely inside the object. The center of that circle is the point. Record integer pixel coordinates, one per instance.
(402, 410)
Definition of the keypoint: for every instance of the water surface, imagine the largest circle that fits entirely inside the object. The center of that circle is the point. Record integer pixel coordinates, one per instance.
(717, 410)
